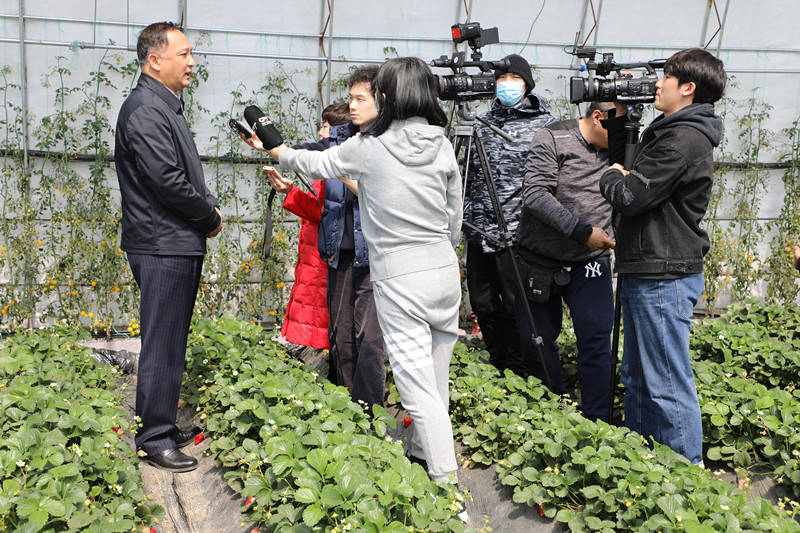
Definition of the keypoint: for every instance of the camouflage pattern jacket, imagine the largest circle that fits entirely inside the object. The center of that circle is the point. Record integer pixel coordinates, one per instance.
(507, 162)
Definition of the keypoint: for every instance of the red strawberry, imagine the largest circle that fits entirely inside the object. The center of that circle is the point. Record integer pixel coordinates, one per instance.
(198, 439)
(541, 511)
(152, 530)
(248, 501)
(407, 421)
(115, 429)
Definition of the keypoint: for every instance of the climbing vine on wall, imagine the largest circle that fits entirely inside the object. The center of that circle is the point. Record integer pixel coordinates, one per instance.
(16, 248)
(738, 263)
(781, 277)
(59, 227)
(60, 213)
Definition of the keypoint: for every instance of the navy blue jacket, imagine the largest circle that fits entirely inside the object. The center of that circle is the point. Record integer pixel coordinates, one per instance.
(331, 229)
(166, 207)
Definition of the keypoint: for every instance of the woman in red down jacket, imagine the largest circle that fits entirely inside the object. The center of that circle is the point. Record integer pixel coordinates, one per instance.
(306, 322)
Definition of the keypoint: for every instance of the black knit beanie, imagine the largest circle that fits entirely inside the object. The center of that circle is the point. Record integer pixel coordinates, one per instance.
(519, 66)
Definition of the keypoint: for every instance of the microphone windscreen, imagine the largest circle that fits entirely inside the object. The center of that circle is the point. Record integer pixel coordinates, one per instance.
(269, 135)
(251, 115)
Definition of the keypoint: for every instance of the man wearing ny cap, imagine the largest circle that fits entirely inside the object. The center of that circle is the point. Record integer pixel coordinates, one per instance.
(490, 279)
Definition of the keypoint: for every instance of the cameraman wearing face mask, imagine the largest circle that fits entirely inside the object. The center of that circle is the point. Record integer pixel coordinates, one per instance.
(490, 280)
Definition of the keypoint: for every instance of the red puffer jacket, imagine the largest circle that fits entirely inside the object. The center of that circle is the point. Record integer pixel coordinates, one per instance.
(306, 320)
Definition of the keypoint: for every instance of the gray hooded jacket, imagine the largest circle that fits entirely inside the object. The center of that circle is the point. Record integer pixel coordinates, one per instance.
(409, 190)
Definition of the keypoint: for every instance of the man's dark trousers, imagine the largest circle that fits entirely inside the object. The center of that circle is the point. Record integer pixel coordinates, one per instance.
(492, 292)
(589, 296)
(168, 286)
(356, 339)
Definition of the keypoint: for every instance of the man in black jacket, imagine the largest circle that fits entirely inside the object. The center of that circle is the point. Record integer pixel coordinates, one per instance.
(660, 249)
(564, 240)
(167, 214)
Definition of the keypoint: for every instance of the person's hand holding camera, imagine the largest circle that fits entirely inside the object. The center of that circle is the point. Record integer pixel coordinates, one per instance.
(617, 166)
(599, 240)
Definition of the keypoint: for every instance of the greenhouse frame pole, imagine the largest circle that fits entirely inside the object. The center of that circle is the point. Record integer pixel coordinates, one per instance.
(597, 24)
(329, 56)
(23, 82)
(183, 12)
(363, 37)
(704, 28)
(722, 27)
(23, 87)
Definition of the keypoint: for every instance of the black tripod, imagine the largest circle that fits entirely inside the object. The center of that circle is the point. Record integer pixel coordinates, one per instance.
(464, 136)
(632, 127)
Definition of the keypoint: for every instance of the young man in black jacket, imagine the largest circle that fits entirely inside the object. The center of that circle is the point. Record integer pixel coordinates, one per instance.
(167, 215)
(660, 249)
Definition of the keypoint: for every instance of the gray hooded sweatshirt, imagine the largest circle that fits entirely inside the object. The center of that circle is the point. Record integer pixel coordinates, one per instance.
(409, 189)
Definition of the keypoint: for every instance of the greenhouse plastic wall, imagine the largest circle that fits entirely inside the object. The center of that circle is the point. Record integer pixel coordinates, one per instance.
(311, 45)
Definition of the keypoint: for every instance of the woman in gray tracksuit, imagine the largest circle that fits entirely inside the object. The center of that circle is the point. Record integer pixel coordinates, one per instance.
(409, 186)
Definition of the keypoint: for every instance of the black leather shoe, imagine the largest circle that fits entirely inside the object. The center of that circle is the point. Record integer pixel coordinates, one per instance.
(172, 460)
(184, 437)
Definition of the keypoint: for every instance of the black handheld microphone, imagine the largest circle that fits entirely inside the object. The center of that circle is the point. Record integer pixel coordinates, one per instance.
(267, 133)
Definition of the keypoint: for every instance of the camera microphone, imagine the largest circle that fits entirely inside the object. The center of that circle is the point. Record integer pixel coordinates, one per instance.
(503, 64)
(267, 133)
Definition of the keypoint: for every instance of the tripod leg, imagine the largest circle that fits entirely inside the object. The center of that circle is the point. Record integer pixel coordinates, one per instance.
(508, 245)
(536, 339)
(615, 347)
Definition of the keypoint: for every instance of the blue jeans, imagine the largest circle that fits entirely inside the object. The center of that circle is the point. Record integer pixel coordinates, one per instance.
(660, 393)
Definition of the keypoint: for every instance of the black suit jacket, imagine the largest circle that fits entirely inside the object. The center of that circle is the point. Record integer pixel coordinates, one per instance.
(166, 207)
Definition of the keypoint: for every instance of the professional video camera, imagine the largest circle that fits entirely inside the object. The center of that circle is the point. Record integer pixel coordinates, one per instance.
(622, 88)
(460, 86)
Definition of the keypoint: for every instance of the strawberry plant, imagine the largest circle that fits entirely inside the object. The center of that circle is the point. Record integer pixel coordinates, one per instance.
(746, 423)
(65, 466)
(762, 339)
(592, 476)
(299, 447)
(746, 368)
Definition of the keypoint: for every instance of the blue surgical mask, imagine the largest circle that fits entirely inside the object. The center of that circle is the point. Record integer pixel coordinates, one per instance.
(510, 92)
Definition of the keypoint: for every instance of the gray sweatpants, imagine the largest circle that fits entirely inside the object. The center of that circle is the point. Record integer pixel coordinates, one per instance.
(418, 314)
